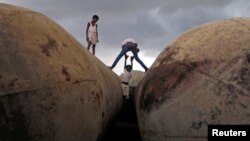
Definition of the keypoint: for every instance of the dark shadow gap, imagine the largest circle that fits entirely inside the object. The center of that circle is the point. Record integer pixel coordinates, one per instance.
(126, 128)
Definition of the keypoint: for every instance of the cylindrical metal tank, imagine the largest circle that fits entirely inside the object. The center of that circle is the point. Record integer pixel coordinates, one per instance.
(51, 87)
(136, 78)
(202, 78)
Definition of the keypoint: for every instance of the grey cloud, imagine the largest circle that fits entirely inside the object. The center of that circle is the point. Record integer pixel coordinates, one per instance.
(153, 23)
(147, 26)
(183, 20)
(68, 8)
(173, 6)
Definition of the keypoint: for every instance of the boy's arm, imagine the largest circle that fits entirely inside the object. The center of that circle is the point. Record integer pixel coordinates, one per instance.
(87, 29)
(125, 63)
(131, 59)
(97, 33)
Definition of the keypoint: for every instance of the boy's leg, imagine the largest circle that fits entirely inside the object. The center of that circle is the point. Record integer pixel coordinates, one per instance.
(93, 48)
(89, 44)
(124, 92)
(127, 91)
(123, 52)
(135, 53)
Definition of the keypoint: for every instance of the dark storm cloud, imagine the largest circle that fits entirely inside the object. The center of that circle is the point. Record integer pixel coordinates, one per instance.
(68, 8)
(153, 23)
(171, 6)
(141, 19)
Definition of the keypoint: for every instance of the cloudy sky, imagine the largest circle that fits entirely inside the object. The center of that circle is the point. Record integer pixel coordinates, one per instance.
(153, 23)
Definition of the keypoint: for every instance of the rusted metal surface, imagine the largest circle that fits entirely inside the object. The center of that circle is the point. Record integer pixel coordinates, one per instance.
(136, 78)
(201, 78)
(51, 87)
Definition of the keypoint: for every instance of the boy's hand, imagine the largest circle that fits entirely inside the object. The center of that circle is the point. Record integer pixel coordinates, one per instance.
(137, 49)
(132, 58)
(126, 56)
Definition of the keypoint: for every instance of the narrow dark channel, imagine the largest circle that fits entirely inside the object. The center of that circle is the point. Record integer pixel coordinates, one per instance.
(126, 128)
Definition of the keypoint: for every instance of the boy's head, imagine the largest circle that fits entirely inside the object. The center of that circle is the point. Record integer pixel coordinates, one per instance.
(128, 68)
(95, 18)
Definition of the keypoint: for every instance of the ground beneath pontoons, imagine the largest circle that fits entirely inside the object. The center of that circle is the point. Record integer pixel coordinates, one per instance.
(126, 128)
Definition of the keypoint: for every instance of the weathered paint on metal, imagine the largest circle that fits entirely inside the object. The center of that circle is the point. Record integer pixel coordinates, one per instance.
(51, 87)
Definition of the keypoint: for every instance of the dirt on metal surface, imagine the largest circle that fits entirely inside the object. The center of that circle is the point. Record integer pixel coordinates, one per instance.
(201, 78)
(51, 87)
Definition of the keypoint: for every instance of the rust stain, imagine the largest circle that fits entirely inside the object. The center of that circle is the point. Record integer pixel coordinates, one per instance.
(248, 58)
(158, 88)
(51, 44)
(82, 101)
(97, 98)
(65, 45)
(196, 125)
(76, 82)
(243, 105)
(244, 78)
(12, 83)
(2, 86)
(215, 113)
(84, 80)
(66, 73)
(103, 115)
